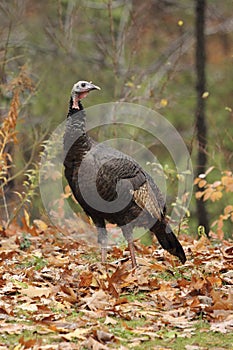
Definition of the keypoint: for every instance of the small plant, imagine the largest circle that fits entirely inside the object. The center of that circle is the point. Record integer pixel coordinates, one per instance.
(25, 242)
(38, 262)
(30, 185)
(180, 204)
(18, 88)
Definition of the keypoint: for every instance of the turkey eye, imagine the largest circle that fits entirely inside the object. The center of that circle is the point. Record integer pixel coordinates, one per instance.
(83, 84)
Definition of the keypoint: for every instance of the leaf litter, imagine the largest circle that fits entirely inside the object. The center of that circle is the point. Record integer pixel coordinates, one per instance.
(52, 291)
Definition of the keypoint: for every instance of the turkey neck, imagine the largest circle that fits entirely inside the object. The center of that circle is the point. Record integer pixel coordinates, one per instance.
(76, 141)
(78, 117)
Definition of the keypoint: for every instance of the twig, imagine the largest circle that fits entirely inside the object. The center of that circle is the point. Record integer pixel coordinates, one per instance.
(5, 204)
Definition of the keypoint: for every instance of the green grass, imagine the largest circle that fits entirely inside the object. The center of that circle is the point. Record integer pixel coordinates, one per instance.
(140, 296)
(12, 340)
(208, 341)
(173, 338)
(128, 331)
(170, 339)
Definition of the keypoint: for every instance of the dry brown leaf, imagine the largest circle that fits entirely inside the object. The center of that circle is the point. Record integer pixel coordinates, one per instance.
(69, 294)
(201, 244)
(172, 318)
(77, 333)
(197, 282)
(227, 277)
(92, 344)
(58, 260)
(215, 281)
(110, 320)
(29, 343)
(98, 301)
(28, 307)
(93, 315)
(86, 279)
(222, 300)
(223, 327)
(41, 225)
(228, 253)
(104, 337)
(9, 244)
(34, 292)
(13, 328)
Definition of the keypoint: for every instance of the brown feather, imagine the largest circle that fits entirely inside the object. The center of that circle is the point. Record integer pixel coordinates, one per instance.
(146, 200)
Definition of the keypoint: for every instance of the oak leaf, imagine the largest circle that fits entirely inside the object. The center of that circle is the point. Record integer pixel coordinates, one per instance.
(33, 292)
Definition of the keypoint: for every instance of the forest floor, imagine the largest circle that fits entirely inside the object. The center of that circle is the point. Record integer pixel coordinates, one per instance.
(55, 294)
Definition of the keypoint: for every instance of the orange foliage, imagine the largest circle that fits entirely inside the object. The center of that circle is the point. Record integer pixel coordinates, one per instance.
(214, 192)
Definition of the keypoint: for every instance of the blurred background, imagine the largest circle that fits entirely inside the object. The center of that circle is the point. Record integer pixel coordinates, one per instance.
(162, 54)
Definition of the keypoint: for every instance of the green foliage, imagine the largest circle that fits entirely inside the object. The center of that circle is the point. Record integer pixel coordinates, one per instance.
(35, 261)
(25, 242)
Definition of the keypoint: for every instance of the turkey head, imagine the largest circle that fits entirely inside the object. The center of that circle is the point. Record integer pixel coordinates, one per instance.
(81, 90)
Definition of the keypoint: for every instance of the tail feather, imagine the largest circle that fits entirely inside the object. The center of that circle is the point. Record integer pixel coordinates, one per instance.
(168, 240)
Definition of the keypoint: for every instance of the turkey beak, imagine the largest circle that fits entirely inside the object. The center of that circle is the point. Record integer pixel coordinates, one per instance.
(93, 87)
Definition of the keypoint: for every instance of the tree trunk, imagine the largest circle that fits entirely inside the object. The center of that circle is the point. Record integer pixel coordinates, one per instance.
(201, 127)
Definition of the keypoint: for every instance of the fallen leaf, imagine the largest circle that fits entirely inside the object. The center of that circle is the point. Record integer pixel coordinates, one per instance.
(58, 260)
(193, 347)
(201, 244)
(104, 337)
(77, 333)
(228, 277)
(34, 292)
(110, 320)
(223, 327)
(92, 344)
(14, 328)
(28, 307)
(228, 253)
(99, 300)
(41, 225)
(9, 244)
(29, 343)
(86, 278)
(221, 300)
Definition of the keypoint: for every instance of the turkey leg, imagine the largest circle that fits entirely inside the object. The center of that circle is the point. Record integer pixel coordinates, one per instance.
(129, 237)
(103, 241)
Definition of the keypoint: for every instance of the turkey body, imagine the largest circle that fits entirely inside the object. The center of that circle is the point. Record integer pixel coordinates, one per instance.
(111, 186)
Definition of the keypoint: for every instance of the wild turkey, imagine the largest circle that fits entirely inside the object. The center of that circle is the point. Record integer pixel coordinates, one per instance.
(100, 175)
